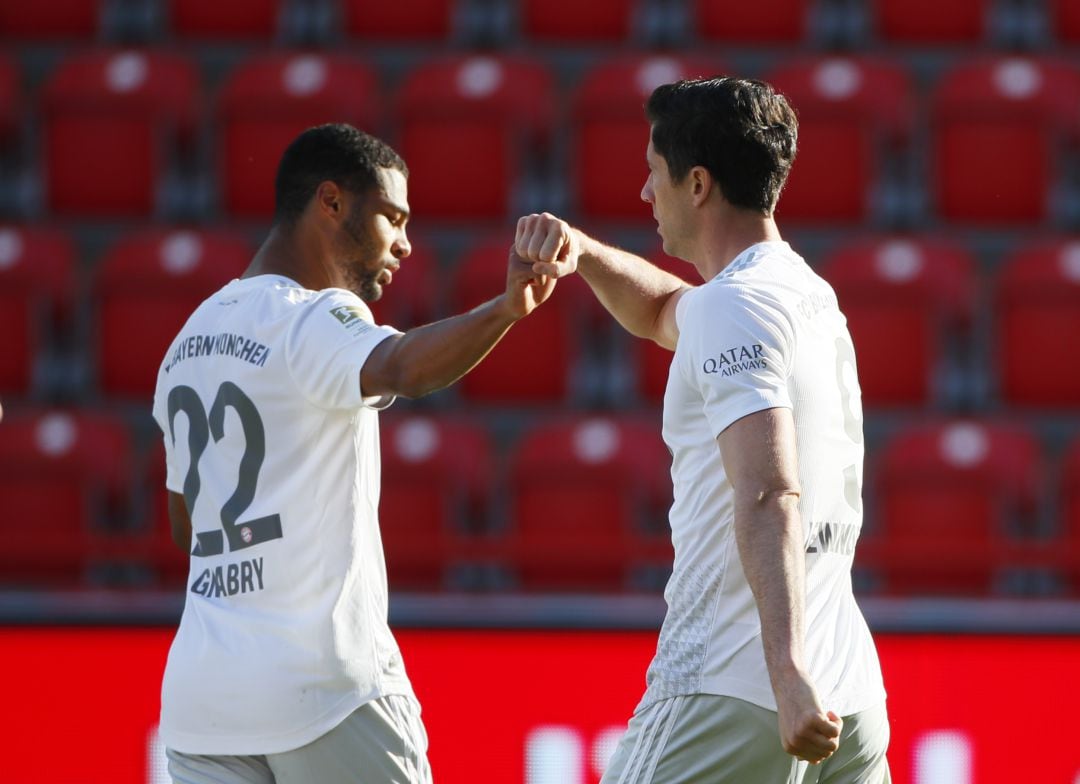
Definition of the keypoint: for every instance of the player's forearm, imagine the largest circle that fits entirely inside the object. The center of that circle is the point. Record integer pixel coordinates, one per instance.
(436, 355)
(633, 290)
(768, 532)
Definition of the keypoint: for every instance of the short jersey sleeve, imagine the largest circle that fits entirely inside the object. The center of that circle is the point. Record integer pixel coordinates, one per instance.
(736, 349)
(327, 345)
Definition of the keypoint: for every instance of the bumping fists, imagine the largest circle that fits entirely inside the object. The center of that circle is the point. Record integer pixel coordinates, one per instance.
(549, 243)
(545, 249)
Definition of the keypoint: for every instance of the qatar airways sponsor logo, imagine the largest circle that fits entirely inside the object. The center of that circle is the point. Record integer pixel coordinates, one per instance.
(735, 360)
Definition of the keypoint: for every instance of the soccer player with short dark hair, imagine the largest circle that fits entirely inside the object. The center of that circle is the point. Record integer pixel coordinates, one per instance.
(765, 665)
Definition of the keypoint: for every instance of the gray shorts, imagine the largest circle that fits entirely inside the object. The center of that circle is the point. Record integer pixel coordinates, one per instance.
(381, 742)
(703, 738)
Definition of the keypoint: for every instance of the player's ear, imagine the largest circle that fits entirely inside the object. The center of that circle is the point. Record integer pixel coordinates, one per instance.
(329, 199)
(701, 184)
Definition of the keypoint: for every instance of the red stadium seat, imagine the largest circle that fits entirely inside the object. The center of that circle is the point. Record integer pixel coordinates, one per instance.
(1065, 549)
(1065, 20)
(853, 114)
(777, 21)
(236, 19)
(920, 22)
(146, 287)
(63, 484)
(409, 301)
(570, 20)
(1038, 320)
(467, 123)
(610, 131)
(436, 487)
(998, 127)
(904, 298)
(112, 121)
(266, 103)
(417, 20)
(588, 505)
(533, 363)
(36, 289)
(55, 19)
(951, 501)
(10, 101)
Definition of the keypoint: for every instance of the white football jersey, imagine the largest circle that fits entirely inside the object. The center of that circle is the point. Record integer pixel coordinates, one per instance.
(764, 333)
(284, 631)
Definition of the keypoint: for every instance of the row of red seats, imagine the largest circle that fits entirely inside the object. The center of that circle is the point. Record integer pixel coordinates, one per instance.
(75, 501)
(907, 300)
(113, 120)
(776, 22)
(576, 503)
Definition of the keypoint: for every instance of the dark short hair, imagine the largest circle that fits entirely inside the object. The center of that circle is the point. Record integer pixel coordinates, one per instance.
(741, 130)
(339, 153)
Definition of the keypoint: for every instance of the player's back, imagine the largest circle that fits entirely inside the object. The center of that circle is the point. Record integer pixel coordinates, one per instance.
(276, 454)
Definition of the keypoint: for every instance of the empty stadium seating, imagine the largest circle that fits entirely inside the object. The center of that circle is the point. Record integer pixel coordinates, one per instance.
(1064, 550)
(267, 101)
(998, 128)
(952, 505)
(1065, 20)
(468, 127)
(855, 113)
(776, 22)
(113, 120)
(906, 299)
(588, 505)
(37, 268)
(54, 20)
(1037, 314)
(145, 289)
(10, 100)
(63, 485)
(561, 21)
(413, 22)
(231, 21)
(945, 134)
(928, 22)
(437, 481)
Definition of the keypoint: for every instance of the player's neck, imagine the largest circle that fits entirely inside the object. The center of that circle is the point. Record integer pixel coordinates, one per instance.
(286, 252)
(726, 238)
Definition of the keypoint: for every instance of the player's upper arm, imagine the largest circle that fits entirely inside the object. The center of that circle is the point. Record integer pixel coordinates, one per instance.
(179, 521)
(760, 457)
(381, 374)
(666, 331)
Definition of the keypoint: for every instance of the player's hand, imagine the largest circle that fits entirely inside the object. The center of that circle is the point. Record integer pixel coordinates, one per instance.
(525, 289)
(806, 730)
(550, 244)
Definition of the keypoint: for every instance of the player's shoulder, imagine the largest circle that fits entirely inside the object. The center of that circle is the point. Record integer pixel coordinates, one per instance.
(339, 305)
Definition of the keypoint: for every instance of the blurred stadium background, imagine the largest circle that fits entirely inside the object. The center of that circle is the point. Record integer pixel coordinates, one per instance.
(937, 187)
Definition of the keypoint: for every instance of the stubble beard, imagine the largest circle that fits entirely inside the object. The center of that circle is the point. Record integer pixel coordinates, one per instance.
(362, 282)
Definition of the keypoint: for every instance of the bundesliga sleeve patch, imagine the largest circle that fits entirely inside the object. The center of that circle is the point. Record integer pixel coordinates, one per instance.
(352, 318)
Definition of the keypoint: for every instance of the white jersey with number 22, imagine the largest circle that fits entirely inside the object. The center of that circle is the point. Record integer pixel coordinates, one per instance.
(284, 631)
